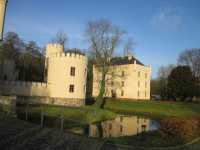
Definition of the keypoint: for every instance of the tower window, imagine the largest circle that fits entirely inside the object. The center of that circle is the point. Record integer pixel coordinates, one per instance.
(71, 88)
(138, 83)
(145, 84)
(72, 71)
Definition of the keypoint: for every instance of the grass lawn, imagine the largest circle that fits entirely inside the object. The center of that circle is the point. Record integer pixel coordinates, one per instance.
(82, 115)
(154, 108)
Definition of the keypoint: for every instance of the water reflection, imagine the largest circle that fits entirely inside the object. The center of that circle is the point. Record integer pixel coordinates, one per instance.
(121, 126)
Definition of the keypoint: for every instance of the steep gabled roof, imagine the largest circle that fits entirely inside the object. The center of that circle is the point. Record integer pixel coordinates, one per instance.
(125, 60)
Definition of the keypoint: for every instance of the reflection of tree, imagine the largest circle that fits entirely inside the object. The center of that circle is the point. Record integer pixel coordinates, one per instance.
(184, 128)
(100, 130)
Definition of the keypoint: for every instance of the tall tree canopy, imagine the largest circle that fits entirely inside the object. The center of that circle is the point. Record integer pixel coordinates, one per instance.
(61, 38)
(191, 58)
(27, 57)
(181, 83)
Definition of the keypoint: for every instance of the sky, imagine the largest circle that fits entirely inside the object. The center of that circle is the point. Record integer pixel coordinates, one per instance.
(161, 29)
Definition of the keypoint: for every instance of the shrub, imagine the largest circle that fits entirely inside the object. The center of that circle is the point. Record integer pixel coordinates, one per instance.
(185, 129)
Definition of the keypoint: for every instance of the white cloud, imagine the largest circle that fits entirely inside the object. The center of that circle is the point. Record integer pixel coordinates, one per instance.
(167, 19)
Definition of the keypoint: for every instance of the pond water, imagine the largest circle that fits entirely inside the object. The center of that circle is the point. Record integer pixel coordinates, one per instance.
(120, 126)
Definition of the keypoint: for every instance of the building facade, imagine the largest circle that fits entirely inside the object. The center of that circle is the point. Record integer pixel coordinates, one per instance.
(66, 77)
(127, 78)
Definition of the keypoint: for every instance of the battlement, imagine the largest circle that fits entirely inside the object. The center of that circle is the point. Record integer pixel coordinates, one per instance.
(69, 55)
(24, 84)
(51, 49)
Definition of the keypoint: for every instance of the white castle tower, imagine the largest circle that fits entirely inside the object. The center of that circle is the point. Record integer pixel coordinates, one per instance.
(66, 74)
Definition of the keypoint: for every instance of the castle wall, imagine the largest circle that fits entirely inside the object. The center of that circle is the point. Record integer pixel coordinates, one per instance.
(134, 86)
(20, 88)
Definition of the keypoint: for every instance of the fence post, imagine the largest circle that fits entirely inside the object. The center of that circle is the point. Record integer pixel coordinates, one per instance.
(42, 118)
(27, 106)
(62, 119)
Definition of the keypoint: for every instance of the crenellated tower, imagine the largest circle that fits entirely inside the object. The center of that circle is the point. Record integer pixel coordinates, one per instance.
(66, 73)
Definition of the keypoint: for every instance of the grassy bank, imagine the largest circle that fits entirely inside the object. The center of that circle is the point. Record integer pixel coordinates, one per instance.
(154, 108)
(84, 115)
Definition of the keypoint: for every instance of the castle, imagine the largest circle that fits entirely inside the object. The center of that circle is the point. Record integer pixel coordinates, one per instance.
(127, 78)
(65, 83)
(66, 74)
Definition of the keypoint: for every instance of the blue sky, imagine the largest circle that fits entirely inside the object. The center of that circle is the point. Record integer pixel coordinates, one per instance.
(161, 28)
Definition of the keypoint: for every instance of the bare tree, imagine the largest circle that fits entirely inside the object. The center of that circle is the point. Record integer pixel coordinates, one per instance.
(61, 38)
(163, 74)
(103, 38)
(129, 47)
(191, 58)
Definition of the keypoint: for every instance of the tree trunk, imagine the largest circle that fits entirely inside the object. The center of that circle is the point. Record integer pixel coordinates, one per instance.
(100, 98)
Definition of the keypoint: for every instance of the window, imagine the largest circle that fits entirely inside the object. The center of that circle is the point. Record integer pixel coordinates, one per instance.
(145, 94)
(122, 83)
(138, 73)
(71, 88)
(5, 77)
(122, 73)
(138, 93)
(72, 71)
(121, 118)
(145, 84)
(144, 128)
(138, 83)
(110, 126)
(121, 128)
(112, 74)
(84, 88)
(112, 83)
(138, 120)
(122, 93)
(145, 75)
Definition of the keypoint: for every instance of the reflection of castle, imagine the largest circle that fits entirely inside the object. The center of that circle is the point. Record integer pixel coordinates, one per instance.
(120, 126)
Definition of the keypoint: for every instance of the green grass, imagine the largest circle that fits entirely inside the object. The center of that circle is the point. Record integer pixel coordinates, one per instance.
(82, 115)
(154, 108)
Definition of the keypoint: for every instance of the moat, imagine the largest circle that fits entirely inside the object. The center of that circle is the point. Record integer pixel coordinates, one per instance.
(122, 125)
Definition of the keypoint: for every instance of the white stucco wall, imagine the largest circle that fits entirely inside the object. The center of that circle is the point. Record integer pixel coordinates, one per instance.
(130, 79)
(59, 78)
